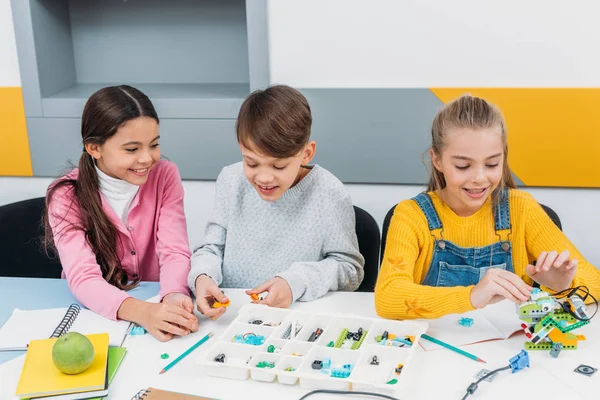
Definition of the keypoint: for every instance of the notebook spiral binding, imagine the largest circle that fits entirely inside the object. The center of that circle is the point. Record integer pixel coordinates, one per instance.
(67, 321)
(141, 394)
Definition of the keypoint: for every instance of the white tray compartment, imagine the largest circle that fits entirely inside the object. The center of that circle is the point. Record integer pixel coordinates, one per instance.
(300, 319)
(298, 348)
(399, 328)
(264, 374)
(315, 379)
(266, 314)
(289, 377)
(236, 359)
(367, 377)
(339, 323)
(316, 321)
(241, 329)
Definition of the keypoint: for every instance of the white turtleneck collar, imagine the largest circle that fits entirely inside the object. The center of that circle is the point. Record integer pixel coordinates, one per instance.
(118, 193)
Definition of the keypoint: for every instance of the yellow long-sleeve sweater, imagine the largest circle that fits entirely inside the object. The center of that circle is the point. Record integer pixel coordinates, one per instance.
(409, 250)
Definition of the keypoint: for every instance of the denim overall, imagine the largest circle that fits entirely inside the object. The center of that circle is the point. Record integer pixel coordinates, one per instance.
(452, 265)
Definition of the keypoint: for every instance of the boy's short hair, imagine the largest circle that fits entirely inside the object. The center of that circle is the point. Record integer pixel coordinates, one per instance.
(275, 122)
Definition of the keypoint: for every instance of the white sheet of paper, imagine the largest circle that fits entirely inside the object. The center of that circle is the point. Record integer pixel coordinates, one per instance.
(24, 326)
(496, 321)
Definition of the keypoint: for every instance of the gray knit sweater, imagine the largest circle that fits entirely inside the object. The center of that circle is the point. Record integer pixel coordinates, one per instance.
(307, 236)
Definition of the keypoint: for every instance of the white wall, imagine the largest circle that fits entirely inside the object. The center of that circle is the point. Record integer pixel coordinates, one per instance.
(571, 205)
(434, 43)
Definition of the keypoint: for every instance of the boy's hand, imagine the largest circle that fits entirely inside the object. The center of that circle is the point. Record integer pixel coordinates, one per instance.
(498, 284)
(207, 292)
(554, 270)
(280, 293)
(163, 320)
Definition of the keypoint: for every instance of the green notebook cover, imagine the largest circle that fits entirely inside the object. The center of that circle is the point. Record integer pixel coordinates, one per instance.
(115, 357)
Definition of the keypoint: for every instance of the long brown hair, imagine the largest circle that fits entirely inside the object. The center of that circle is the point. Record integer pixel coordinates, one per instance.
(105, 111)
(473, 113)
(275, 121)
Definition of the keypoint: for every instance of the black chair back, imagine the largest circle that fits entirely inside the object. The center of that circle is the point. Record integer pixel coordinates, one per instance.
(368, 235)
(21, 233)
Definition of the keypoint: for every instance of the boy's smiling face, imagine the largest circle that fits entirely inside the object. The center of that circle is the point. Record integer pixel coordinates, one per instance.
(272, 177)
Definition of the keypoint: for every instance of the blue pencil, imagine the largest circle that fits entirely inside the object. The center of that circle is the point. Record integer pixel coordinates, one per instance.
(185, 353)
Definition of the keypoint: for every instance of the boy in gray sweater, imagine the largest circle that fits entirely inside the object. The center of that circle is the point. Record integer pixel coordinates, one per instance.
(279, 225)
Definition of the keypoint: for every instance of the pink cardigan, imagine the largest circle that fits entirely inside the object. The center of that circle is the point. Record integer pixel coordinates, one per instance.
(152, 247)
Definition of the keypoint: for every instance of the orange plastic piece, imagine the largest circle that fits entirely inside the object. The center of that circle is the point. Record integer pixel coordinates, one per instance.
(218, 305)
(254, 296)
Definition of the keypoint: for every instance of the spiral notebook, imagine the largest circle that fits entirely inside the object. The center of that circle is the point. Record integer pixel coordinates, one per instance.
(25, 326)
(157, 394)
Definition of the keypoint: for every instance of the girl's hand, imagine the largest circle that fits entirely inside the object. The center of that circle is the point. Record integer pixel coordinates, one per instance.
(163, 320)
(280, 293)
(179, 299)
(207, 292)
(554, 270)
(498, 284)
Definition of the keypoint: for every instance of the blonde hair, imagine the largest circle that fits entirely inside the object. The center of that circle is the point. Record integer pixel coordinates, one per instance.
(468, 112)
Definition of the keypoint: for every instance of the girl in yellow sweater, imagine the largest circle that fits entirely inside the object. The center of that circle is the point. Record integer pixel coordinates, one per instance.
(471, 240)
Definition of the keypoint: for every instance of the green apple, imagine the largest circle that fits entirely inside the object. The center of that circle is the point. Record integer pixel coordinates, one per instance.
(73, 353)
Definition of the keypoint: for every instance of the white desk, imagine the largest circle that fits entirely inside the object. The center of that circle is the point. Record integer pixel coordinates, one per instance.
(439, 374)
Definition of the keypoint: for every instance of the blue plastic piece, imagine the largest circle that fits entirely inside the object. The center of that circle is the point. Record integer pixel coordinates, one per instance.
(519, 362)
(249, 338)
(137, 330)
(468, 322)
(536, 290)
(343, 372)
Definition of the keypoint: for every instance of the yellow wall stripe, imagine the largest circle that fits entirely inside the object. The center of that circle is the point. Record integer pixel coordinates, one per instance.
(553, 134)
(15, 158)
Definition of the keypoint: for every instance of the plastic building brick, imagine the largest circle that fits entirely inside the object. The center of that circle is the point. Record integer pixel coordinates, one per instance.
(519, 362)
(315, 335)
(343, 372)
(290, 369)
(217, 304)
(398, 369)
(585, 370)
(137, 330)
(265, 364)
(249, 338)
(326, 363)
(330, 344)
(374, 361)
(255, 321)
(556, 348)
(220, 358)
(392, 381)
(317, 364)
(164, 356)
(464, 321)
(271, 349)
(254, 297)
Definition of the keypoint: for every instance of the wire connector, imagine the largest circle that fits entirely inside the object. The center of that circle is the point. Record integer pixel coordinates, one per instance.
(519, 362)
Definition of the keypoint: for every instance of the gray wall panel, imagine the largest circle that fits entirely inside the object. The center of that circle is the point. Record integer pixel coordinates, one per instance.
(158, 41)
(53, 45)
(373, 135)
(53, 142)
(258, 43)
(200, 148)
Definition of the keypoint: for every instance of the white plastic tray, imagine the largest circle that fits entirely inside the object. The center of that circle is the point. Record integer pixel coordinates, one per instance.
(298, 352)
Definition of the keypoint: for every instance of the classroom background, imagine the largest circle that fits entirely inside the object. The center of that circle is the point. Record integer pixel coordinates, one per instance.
(374, 72)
